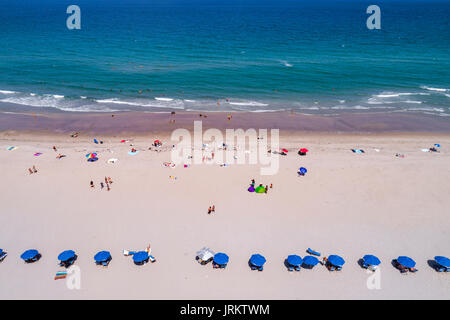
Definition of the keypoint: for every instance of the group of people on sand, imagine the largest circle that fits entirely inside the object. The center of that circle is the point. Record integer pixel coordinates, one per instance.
(32, 170)
(212, 209)
(108, 183)
(261, 185)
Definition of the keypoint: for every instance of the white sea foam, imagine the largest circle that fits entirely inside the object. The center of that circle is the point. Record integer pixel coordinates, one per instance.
(7, 92)
(164, 99)
(434, 89)
(249, 103)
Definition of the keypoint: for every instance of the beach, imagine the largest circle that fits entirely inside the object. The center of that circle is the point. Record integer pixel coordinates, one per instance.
(347, 204)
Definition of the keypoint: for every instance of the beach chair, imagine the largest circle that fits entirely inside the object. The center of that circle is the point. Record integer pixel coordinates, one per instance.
(438, 269)
(338, 268)
(290, 268)
(314, 253)
(253, 267)
(413, 270)
(3, 256)
(331, 268)
(403, 270)
(260, 268)
(297, 268)
(128, 253)
(151, 258)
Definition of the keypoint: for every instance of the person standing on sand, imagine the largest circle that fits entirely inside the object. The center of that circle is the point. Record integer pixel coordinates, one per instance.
(253, 182)
(271, 186)
(29, 170)
(102, 185)
(107, 187)
(34, 169)
(209, 210)
(213, 209)
(267, 188)
(54, 148)
(92, 184)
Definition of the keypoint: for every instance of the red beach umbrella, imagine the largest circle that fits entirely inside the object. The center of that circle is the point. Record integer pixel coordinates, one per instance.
(284, 150)
(303, 150)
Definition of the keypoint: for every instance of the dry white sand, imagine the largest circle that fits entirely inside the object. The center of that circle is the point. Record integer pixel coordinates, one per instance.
(347, 204)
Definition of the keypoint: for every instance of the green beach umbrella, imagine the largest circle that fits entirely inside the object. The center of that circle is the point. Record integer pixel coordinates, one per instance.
(260, 189)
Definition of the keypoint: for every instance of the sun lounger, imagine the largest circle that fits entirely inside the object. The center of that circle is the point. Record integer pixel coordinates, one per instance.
(3, 256)
(297, 268)
(314, 253)
(332, 268)
(253, 267)
(128, 253)
(438, 269)
(290, 268)
(338, 268)
(260, 268)
(152, 259)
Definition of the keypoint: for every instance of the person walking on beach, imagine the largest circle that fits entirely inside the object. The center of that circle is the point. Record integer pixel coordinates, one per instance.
(107, 187)
(54, 148)
(213, 209)
(92, 184)
(34, 169)
(271, 186)
(209, 210)
(267, 188)
(102, 185)
(253, 182)
(30, 171)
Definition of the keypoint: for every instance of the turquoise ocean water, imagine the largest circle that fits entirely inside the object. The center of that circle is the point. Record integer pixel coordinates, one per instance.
(235, 55)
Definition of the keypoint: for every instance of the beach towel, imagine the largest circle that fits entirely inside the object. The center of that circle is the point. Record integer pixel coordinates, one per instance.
(112, 160)
(60, 275)
(358, 150)
(314, 253)
(133, 153)
(12, 148)
(37, 154)
(425, 150)
(95, 141)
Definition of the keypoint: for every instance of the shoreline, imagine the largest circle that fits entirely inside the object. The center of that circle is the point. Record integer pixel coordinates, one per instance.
(147, 123)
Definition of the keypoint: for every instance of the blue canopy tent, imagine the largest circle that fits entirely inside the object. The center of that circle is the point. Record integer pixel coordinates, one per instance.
(310, 261)
(406, 262)
(221, 259)
(102, 257)
(66, 255)
(443, 262)
(336, 261)
(371, 260)
(257, 261)
(140, 257)
(294, 260)
(29, 255)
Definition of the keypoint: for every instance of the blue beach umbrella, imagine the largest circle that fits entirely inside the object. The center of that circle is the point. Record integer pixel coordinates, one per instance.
(310, 261)
(140, 256)
(371, 260)
(303, 170)
(437, 145)
(257, 260)
(221, 258)
(443, 261)
(406, 262)
(102, 256)
(294, 260)
(336, 260)
(66, 255)
(29, 254)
